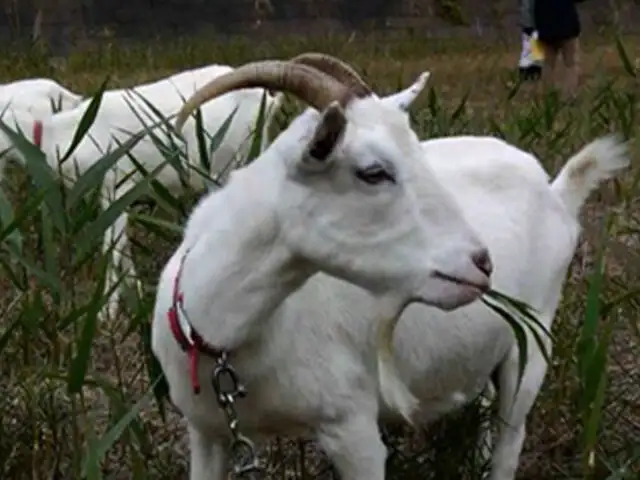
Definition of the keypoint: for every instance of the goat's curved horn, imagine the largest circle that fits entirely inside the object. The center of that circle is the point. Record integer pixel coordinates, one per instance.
(310, 85)
(337, 68)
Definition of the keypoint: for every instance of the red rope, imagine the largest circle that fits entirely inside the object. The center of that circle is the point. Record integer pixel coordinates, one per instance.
(37, 133)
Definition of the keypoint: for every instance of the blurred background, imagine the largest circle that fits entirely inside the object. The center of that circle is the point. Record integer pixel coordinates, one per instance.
(67, 23)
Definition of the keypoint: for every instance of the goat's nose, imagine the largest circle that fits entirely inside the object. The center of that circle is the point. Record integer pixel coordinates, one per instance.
(482, 260)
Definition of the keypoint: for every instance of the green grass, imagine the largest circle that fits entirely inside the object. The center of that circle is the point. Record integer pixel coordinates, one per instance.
(73, 393)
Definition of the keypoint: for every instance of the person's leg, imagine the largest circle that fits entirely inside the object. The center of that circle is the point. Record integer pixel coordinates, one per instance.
(571, 61)
(550, 59)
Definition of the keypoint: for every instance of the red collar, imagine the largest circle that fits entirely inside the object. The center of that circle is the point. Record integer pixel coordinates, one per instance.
(37, 133)
(188, 339)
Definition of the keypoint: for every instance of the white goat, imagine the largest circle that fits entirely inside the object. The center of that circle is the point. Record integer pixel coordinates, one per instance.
(308, 360)
(38, 96)
(337, 191)
(117, 121)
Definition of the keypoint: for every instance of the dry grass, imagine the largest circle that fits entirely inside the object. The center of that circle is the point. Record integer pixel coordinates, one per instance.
(44, 429)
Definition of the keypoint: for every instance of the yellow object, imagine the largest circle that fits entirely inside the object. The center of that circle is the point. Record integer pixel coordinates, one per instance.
(536, 49)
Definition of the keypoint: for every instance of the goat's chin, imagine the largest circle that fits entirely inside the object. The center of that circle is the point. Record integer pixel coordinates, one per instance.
(448, 295)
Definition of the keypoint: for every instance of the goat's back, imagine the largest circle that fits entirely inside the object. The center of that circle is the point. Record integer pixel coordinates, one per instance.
(321, 342)
(506, 196)
(314, 360)
(37, 96)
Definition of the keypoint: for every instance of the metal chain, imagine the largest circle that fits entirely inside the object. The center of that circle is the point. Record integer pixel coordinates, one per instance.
(243, 452)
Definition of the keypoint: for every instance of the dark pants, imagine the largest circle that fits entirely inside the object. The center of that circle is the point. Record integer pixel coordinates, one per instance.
(556, 21)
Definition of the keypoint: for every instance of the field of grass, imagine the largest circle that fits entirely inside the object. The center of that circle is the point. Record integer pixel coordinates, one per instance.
(73, 392)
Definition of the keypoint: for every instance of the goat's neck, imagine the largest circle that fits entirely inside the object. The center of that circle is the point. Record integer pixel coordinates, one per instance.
(238, 270)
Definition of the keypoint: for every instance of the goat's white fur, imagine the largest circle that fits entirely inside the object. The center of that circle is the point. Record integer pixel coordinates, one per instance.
(117, 120)
(38, 96)
(310, 366)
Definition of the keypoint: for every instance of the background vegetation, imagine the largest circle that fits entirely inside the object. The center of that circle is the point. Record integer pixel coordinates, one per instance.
(65, 24)
(73, 393)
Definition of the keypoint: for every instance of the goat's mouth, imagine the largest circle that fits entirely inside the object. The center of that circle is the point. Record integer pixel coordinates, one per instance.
(480, 287)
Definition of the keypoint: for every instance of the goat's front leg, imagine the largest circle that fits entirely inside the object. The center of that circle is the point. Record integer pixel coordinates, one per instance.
(513, 411)
(126, 257)
(116, 236)
(355, 447)
(485, 440)
(208, 456)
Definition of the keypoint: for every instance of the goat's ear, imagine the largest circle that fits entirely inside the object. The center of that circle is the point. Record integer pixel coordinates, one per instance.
(317, 155)
(403, 99)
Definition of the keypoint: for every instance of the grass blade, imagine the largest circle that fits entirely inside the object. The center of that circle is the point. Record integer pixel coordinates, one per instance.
(80, 363)
(86, 121)
(256, 140)
(99, 448)
(8, 234)
(624, 57)
(94, 176)
(42, 174)
(117, 208)
(518, 331)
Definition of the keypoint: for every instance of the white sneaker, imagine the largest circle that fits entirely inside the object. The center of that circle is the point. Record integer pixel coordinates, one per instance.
(531, 54)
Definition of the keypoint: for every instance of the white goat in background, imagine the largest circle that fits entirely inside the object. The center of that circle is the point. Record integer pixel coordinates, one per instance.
(167, 95)
(39, 96)
(123, 113)
(328, 200)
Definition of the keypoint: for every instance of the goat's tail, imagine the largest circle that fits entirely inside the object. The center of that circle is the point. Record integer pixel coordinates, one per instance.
(600, 160)
(278, 98)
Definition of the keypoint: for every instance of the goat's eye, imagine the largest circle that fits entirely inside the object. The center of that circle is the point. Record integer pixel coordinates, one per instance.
(374, 175)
